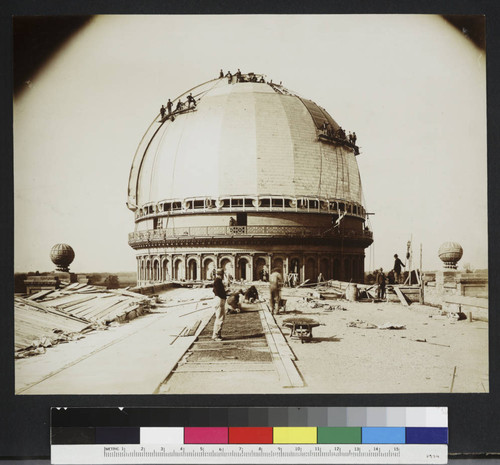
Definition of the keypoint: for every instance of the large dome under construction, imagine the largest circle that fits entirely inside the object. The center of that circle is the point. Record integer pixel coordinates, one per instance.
(240, 152)
(247, 139)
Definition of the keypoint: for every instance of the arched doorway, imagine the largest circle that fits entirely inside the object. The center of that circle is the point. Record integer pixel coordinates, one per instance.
(156, 270)
(148, 271)
(347, 270)
(336, 269)
(354, 268)
(208, 268)
(141, 274)
(260, 265)
(243, 269)
(324, 269)
(178, 270)
(278, 264)
(294, 266)
(227, 266)
(192, 269)
(311, 272)
(166, 273)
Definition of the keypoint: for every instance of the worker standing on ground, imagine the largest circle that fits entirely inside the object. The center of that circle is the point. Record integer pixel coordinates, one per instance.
(275, 285)
(381, 284)
(220, 305)
(397, 269)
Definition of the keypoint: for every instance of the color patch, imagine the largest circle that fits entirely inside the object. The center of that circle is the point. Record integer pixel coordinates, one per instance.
(120, 435)
(216, 435)
(162, 435)
(250, 435)
(293, 435)
(383, 435)
(426, 435)
(338, 435)
(72, 435)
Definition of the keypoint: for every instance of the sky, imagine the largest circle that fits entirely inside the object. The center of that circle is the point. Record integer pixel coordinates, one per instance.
(411, 87)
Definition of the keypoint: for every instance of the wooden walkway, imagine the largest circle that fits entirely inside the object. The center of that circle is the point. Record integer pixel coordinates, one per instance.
(253, 351)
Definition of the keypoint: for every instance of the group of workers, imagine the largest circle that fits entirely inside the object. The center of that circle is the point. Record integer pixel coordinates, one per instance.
(232, 300)
(338, 133)
(382, 278)
(250, 77)
(166, 111)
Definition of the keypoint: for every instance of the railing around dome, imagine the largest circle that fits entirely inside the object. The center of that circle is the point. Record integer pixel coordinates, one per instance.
(264, 203)
(158, 235)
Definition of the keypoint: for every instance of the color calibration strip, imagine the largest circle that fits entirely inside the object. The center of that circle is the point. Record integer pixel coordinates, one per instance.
(358, 435)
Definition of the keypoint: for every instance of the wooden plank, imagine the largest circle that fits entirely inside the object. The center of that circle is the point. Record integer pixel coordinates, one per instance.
(401, 296)
(233, 367)
(193, 329)
(467, 301)
(278, 363)
(283, 347)
(287, 371)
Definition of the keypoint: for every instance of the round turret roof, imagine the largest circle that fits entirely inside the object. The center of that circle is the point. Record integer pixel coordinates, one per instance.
(62, 255)
(245, 138)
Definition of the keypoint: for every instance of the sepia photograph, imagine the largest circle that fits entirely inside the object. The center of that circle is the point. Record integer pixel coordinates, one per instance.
(250, 204)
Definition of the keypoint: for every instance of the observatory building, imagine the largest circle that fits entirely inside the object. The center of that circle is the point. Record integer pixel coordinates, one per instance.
(246, 175)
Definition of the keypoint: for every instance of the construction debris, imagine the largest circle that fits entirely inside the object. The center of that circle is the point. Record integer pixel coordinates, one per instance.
(361, 324)
(459, 316)
(52, 317)
(392, 326)
(364, 325)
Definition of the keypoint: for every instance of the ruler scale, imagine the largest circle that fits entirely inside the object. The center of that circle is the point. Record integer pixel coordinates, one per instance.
(302, 435)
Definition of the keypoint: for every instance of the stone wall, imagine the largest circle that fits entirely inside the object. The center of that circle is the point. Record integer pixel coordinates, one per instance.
(454, 291)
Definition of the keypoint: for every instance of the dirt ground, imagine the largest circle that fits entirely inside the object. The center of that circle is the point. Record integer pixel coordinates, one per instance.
(349, 353)
(345, 359)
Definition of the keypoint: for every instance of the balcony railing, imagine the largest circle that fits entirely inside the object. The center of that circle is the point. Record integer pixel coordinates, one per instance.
(154, 235)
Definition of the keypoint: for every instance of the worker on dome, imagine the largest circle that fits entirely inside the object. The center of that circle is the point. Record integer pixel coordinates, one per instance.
(191, 100)
(229, 77)
(179, 105)
(262, 80)
(354, 138)
(238, 75)
(221, 74)
(162, 112)
(169, 106)
(219, 305)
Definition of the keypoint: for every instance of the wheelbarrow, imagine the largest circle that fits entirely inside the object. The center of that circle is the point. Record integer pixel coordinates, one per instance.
(301, 328)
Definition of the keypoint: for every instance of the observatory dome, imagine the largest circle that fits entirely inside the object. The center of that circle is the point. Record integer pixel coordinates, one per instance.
(249, 139)
(245, 175)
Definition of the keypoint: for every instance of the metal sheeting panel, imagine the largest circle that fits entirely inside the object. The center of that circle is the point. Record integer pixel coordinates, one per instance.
(319, 115)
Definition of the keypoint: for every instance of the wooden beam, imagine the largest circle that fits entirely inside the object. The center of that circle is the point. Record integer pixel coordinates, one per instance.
(401, 296)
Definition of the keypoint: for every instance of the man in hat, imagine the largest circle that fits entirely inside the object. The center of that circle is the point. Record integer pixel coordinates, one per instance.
(381, 284)
(397, 268)
(220, 305)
